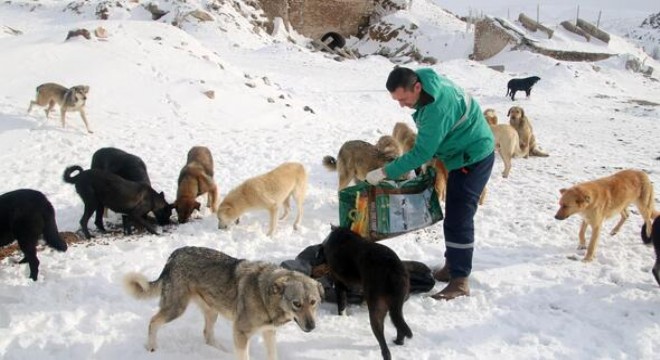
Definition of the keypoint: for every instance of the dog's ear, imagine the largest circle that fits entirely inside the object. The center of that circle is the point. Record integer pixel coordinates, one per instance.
(562, 191)
(508, 113)
(198, 205)
(522, 113)
(587, 198)
(333, 227)
(321, 289)
(277, 287)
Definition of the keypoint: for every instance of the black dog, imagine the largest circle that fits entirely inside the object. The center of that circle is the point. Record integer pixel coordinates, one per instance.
(26, 215)
(353, 261)
(524, 84)
(129, 167)
(655, 237)
(100, 189)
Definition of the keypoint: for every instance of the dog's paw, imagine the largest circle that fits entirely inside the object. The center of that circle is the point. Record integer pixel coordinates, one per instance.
(587, 259)
(573, 257)
(582, 247)
(150, 348)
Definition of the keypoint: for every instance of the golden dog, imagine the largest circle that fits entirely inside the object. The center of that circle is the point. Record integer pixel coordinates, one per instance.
(506, 140)
(267, 191)
(356, 158)
(603, 198)
(490, 116)
(195, 179)
(523, 126)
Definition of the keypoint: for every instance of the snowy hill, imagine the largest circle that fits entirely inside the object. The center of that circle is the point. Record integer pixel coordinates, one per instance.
(147, 81)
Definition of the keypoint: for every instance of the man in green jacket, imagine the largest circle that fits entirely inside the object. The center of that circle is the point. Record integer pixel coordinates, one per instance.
(451, 128)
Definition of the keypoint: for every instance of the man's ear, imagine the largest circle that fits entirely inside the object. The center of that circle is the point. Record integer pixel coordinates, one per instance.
(417, 87)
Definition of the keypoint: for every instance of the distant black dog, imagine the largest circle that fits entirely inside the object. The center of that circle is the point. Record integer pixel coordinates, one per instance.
(26, 215)
(129, 167)
(655, 238)
(524, 84)
(100, 189)
(354, 260)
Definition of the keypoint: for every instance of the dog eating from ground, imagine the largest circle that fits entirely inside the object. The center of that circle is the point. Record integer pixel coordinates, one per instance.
(355, 261)
(523, 126)
(25, 216)
(100, 189)
(68, 99)
(600, 199)
(356, 158)
(195, 179)
(267, 191)
(655, 239)
(255, 296)
(524, 84)
(130, 167)
(507, 142)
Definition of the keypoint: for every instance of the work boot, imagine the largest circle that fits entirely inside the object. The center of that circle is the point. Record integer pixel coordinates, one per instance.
(456, 287)
(442, 274)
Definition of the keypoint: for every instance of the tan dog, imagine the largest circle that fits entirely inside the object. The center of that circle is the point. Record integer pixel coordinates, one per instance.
(506, 140)
(490, 116)
(72, 99)
(267, 191)
(195, 179)
(523, 126)
(356, 158)
(603, 198)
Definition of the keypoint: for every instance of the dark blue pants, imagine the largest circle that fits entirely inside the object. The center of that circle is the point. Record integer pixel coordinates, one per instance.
(464, 186)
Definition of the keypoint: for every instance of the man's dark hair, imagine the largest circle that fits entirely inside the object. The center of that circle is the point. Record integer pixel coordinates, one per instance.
(401, 77)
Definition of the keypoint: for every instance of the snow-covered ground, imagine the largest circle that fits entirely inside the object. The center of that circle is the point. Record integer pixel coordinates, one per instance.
(529, 301)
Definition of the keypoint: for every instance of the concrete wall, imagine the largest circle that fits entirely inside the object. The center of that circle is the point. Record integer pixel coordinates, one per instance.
(313, 18)
(489, 39)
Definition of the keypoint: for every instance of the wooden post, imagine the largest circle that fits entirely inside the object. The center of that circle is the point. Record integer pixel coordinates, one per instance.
(598, 22)
(577, 16)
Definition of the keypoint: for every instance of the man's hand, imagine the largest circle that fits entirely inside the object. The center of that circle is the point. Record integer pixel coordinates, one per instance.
(375, 176)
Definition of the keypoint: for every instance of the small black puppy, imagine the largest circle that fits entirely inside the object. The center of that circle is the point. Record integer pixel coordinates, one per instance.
(129, 167)
(353, 261)
(655, 238)
(100, 189)
(26, 215)
(524, 84)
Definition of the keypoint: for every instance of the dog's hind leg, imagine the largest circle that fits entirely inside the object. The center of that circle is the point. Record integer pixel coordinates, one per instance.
(582, 244)
(269, 341)
(99, 218)
(171, 308)
(47, 110)
(272, 211)
(89, 210)
(396, 315)
(286, 206)
(299, 196)
(593, 243)
(624, 215)
(377, 310)
(27, 242)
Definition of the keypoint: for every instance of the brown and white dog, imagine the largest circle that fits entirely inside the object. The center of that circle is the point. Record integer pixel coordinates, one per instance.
(195, 179)
(523, 126)
(604, 198)
(68, 99)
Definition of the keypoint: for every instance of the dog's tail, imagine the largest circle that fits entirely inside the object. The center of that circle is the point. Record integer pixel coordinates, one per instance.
(51, 234)
(330, 163)
(536, 152)
(138, 286)
(70, 170)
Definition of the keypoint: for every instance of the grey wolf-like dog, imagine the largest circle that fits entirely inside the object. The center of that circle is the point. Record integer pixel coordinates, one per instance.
(255, 296)
(68, 99)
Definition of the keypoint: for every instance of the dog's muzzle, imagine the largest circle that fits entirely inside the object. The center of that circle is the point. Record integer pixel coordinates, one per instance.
(307, 325)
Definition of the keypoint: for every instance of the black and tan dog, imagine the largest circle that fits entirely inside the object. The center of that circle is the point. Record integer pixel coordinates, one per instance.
(355, 261)
(655, 238)
(130, 167)
(524, 84)
(195, 179)
(100, 189)
(26, 215)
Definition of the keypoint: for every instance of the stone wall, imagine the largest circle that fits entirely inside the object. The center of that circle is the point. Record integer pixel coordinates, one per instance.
(313, 18)
(490, 39)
